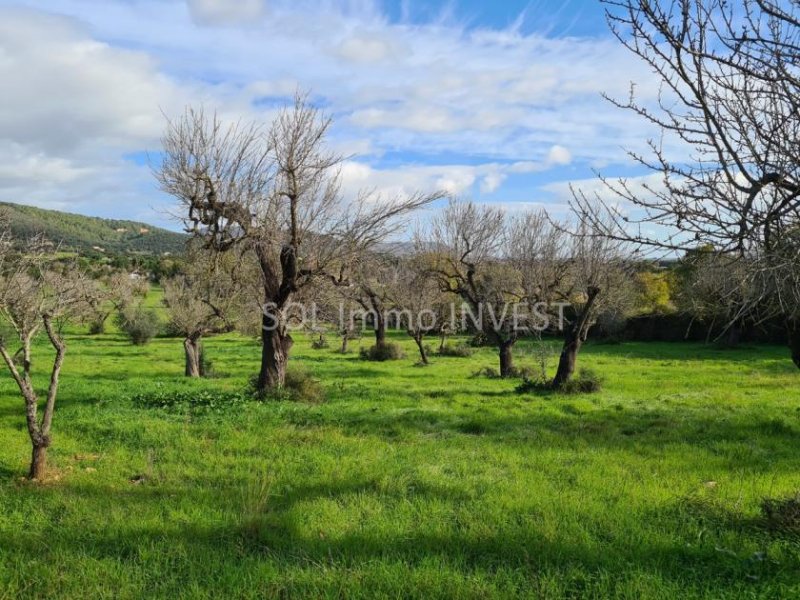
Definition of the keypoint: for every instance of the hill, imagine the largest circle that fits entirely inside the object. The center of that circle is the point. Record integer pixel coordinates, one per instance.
(92, 235)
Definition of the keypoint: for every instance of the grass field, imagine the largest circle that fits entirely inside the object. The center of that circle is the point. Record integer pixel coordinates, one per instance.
(408, 481)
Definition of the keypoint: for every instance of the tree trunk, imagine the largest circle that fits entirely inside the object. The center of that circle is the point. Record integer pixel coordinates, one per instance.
(193, 349)
(568, 358)
(275, 346)
(344, 343)
(506, 359)
(794, 343)
(734, 336)
(38, 461)
(422, 354)
(380, 331)
(573, 340)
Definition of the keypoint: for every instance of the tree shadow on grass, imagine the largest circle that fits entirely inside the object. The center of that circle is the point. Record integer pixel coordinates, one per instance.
(278, 533)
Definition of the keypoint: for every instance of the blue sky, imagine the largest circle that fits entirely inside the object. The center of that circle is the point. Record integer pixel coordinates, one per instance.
(497, 101)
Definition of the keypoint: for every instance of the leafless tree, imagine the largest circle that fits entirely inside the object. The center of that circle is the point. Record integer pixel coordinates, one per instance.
(568, 277)
(418, 302)
(463, 246)
(274, 192)
(728, 160)
(36, 294)
(374, 280)
(116, 292)
(202, 301)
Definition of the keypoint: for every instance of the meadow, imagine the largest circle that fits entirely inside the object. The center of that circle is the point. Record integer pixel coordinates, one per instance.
(408, 481)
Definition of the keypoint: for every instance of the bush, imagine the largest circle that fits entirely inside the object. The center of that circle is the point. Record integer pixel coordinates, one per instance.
(587, 382)
(299, 386)
(139, 324)
(459, 350)
(489, 372)
(492, 373)
(320, 343)
(97, 326)
(479, 340)
(783, 514)
(302, 387)
(390, 351)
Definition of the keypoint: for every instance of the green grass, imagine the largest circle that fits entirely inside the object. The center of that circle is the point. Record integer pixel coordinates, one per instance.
(408, 482)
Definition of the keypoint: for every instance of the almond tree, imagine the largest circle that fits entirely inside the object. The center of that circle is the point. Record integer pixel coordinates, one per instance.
(203, 300)
(567, 280)
(417, 300)
(374, 279)
(726, 160)
(463, 247)
(36, 295)
(274, 193)
(113, 293)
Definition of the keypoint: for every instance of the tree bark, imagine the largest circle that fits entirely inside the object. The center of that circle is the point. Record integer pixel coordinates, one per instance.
(568, 359)
(380, 330)
(422, 354)
(193, 349)
(506, 359)
(573, 340)
(275, 347)
(38, 461)
(734, 335)
(344, 343)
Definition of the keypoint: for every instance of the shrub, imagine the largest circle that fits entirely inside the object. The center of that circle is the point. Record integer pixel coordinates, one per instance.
(586, 382)
(459, 350)
(783, 514)
(320, 343)
(390, 351)
(492, 373)
(489, 372)
(302, 387)
(299, 386)
(479, 340)
(97, 326)
(207, 369)
(139, 324)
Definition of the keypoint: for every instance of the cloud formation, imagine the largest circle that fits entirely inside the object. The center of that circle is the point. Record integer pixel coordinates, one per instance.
(467, 109)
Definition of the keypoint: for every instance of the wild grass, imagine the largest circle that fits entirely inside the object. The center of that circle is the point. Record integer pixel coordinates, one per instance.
(406, 482)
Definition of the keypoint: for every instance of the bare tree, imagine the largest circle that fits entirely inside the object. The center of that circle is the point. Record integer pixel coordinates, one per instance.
(115, 292)
(417, 300)
(202, 301)
(36, 295)
(274, 192)
(464, 249)
(568, 278)
(374, 278)
(730, 100)
(598, 279)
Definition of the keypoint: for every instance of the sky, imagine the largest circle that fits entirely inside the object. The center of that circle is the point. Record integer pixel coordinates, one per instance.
(498, 101)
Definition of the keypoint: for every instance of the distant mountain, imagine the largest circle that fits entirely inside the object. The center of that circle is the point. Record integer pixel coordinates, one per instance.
(92, 235)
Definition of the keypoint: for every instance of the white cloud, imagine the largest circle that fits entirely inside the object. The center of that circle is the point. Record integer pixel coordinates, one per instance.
(558, 155)
(223, 12)
(368, 48)
(492, 181)
(516, 104)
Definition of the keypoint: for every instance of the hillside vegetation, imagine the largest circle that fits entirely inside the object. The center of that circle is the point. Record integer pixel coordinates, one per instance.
(88, 235)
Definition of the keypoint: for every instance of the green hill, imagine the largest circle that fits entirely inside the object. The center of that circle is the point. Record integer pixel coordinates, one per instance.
(92, 235)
